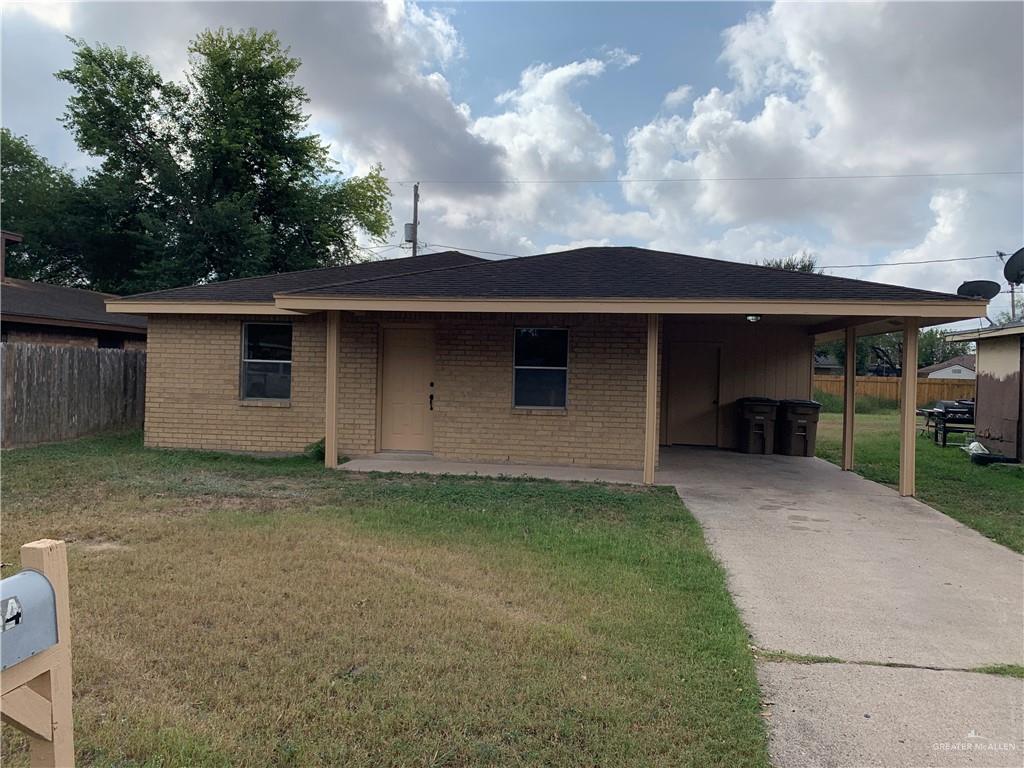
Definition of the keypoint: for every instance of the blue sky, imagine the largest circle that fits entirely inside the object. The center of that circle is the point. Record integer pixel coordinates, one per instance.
(627, 92)
(680, 43)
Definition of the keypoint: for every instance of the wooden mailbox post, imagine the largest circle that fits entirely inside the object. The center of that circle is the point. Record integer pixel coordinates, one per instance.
(36, 691)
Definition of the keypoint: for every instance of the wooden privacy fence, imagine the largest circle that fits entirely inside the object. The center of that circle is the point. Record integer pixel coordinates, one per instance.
(888, 388)
(53, 393)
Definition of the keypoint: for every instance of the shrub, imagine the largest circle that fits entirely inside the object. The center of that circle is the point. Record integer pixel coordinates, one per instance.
(316, 450)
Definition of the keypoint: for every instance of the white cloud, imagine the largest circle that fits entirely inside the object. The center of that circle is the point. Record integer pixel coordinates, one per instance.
(620, 57)
(954, 234)
(811, 90)
(53, 14)
(677, 97)
(832, 90)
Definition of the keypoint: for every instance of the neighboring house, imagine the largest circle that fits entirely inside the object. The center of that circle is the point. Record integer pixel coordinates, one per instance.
(959, 367)
(40, 313)
(826, 365)
(999, 399)
(593, 356)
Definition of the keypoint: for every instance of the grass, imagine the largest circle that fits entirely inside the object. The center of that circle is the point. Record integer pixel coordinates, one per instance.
(237, 611)
(1006, 670)
(865, 403)
(1001, 670)
(988, 499)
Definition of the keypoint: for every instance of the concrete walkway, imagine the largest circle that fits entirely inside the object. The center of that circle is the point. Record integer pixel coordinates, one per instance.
(822, 562)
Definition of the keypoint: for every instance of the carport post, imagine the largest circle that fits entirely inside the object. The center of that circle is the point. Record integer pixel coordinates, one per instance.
(651, 401)
(908, 407)
(849, 396)
(331, 401)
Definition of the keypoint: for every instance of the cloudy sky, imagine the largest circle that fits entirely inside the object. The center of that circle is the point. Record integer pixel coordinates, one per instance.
(538, 126)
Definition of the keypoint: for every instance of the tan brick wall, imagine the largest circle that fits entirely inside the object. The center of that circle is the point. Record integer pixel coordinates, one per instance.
(193, 391)
(357, 386)
(192, 387)
(602, 424)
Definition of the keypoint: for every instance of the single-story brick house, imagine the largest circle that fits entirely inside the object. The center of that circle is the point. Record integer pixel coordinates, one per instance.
(593, 356)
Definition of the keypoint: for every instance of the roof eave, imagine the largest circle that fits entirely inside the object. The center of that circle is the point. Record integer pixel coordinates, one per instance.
(91, 325)
(185, 307)
(951, 309)
(986, 333)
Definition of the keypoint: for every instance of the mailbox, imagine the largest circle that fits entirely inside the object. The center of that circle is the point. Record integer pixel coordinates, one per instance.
(29, 610)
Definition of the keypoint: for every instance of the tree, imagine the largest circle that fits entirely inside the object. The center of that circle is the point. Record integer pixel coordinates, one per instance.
(40, 202)
(1018, 301)
(805, 261)
(212, 179)
(933, 347)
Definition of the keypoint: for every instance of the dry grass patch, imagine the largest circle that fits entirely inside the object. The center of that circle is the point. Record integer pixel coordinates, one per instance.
(258, 612)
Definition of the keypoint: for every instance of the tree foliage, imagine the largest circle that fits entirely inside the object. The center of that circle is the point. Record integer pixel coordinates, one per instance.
(40, 202)
(805, 261)
(883, 354)
(217, 177)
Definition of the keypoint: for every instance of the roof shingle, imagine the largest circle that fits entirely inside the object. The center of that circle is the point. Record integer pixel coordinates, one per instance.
(262, 289)
(619, 273)
(62, 304)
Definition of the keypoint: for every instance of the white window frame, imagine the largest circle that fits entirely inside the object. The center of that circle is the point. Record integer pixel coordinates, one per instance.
(245, 344)
(516, 367)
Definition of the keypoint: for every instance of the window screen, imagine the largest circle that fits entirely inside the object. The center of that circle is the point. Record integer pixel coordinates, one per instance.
(267, 361)
(541, 367)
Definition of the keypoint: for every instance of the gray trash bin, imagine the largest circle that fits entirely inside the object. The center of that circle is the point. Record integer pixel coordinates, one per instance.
(756, 424)
(796, 427)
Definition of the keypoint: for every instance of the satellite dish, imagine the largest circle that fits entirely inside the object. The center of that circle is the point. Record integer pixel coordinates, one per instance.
(1013, 270)
(979, 289)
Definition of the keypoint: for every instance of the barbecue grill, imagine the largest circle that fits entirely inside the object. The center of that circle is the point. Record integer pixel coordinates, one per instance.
(952, 416)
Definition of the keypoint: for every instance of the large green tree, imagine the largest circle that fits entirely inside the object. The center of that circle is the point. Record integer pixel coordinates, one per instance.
(213, 178)
(41, 202)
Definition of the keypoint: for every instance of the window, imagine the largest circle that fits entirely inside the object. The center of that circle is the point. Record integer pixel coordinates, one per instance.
(267, 361)
(541, 364)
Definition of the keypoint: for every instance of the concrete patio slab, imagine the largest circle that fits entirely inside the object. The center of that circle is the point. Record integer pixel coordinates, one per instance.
(824, 562)
(824, 715)
(415, 463)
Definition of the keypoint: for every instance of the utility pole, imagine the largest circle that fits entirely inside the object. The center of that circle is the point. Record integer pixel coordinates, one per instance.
(1013, 292)
(415, 217)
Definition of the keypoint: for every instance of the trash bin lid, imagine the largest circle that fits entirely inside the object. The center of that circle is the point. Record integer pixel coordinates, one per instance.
(802, 403)
(758, 400)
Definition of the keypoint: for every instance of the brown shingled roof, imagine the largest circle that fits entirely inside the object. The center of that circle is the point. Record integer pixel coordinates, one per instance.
(619, 273)
(262, 289)
(39, 302)
(964, 361)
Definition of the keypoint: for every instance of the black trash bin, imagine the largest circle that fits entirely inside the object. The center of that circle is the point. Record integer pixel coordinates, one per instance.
(756, 424)
(796, 429)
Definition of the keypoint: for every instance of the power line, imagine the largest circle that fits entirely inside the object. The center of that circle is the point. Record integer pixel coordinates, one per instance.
(901, 263)
(685, 180)
(833, 266)
(472, 250)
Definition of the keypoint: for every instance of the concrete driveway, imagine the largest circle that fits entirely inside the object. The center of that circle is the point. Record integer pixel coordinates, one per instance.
(824, 563)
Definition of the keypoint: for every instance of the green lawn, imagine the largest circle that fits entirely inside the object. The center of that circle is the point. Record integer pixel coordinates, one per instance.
(234, 611)
(988, 499)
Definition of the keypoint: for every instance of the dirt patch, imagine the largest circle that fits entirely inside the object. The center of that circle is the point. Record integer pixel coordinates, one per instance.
(100, 545)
